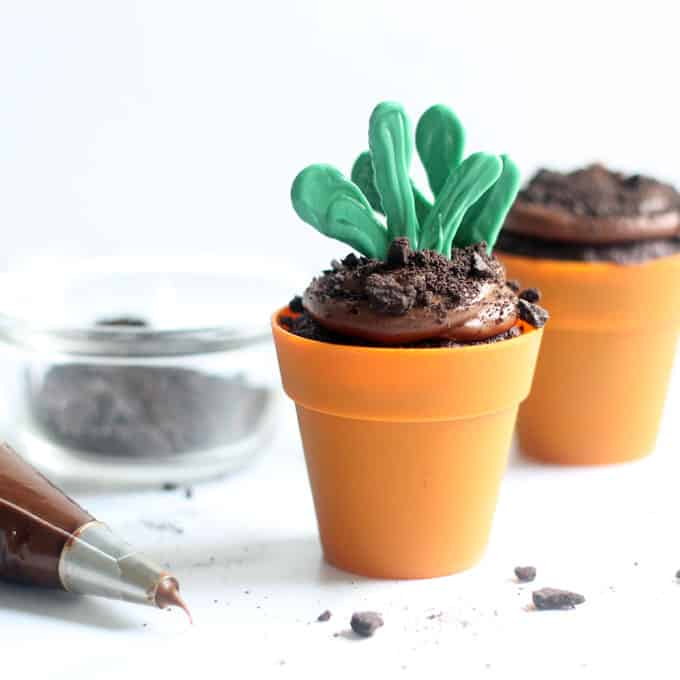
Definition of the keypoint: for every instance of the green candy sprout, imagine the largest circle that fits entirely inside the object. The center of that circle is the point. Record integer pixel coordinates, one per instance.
(440, 140)
(472, 196)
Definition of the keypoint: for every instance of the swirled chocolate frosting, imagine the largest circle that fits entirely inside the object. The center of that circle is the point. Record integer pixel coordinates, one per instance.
(414, 297)
(595, 206)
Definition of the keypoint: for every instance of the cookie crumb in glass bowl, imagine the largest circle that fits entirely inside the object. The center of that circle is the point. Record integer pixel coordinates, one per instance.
(143, 410)
(141, 371)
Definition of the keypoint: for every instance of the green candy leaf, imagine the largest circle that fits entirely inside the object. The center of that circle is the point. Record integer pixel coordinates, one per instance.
(391, 146)
(364, 178)
(423, 206)
(440, 140)
(472, 197)
(439, 246)
(362, 175)
(463, 188)
(484, 220)
(324, 198)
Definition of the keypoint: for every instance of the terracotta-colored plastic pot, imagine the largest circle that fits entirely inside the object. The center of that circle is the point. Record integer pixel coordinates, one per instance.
(405, 448)
(606, 358)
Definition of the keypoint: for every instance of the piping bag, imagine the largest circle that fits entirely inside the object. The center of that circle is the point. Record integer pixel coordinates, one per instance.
(47, 539)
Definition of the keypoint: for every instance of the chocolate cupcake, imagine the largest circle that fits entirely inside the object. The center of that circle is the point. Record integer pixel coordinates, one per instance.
(604, 248)
(407, 360)
(414, 299)
(594, 215)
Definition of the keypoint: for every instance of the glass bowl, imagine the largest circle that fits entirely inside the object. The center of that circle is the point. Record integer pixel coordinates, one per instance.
(140, 371)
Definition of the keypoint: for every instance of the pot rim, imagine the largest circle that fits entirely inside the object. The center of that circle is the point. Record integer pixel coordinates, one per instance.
(276, 324)
(406, 384)
(582, 268)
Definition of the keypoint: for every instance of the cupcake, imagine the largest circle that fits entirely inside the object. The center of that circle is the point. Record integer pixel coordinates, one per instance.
(408, 358)
(604, 248)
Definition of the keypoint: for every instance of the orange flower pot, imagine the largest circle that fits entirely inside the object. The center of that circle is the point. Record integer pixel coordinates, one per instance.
(606, 358)
(405, 448)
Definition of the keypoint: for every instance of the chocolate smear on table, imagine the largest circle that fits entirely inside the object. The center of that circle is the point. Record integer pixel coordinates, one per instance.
(48, 540)
(525, 574)
(366, 623)
(554, 598)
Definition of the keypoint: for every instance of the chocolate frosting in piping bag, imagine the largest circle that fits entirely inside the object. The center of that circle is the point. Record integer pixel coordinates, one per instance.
(36, 520)
(48, 540)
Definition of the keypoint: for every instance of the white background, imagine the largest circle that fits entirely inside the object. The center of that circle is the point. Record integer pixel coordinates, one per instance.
(178, 126)
(137, 126)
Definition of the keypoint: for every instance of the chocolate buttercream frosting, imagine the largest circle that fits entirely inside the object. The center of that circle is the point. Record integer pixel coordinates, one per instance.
(628, 253)
(411, 298)
(595, 206)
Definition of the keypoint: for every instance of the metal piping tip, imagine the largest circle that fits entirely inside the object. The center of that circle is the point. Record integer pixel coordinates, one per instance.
(95, 561)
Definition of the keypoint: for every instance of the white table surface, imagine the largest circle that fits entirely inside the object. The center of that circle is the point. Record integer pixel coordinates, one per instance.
(245, 550)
